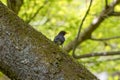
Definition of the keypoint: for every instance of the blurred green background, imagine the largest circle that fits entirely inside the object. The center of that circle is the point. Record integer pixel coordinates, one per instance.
(57, 15)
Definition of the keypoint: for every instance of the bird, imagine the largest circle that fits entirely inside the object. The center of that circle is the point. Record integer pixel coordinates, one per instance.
(59, 39)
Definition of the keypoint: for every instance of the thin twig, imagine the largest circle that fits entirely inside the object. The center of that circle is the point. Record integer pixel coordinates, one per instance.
(80, 27)
(105, 39)
(115, 14)
(98, 54)
(100, 61)
(37, 11)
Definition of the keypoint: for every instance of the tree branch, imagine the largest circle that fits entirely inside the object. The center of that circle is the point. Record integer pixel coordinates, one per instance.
(104, 39)
(106, 3)
(98, 54)
(80, 27)
(35, 14)
(100, 61)
(115, 14)
(92, 27)
(14, 5)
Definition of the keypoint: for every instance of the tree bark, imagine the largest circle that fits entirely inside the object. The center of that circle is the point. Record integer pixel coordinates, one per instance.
(26, 54)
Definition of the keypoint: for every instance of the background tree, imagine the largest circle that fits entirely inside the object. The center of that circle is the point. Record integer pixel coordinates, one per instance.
(99, 34)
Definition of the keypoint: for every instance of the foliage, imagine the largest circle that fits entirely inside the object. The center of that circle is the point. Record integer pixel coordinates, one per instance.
(67, 15)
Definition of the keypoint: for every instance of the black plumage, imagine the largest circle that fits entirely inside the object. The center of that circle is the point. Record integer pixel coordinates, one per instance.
(59, 39)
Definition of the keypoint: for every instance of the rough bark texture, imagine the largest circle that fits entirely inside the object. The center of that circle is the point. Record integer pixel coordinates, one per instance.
(26, 54)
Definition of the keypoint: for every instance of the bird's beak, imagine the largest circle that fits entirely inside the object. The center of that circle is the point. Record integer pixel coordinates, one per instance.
(66, 33)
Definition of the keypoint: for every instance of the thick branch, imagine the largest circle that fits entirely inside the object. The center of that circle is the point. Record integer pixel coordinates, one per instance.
(99, 54)
(93, 26)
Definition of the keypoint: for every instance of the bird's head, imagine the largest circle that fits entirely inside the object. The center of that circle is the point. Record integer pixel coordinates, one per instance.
(62, 33)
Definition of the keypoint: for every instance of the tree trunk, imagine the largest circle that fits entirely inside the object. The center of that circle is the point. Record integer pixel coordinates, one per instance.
(26, 54)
